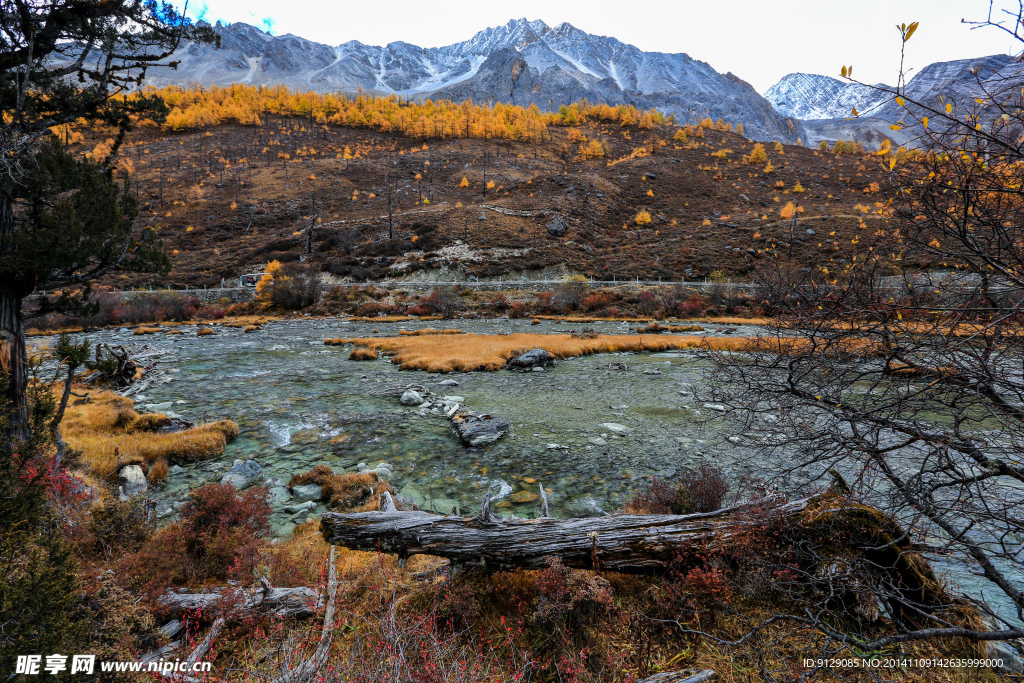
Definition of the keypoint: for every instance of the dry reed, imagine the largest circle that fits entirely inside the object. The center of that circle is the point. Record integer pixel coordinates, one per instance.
(472, 352)
(109, 433)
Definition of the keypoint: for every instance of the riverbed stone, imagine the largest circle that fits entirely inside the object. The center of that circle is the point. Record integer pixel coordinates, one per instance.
(718, 407)
(531, 359)
(448, 383)
(616, 428)
(300, 507)
(520, 497)
(277, 495)
(411, 398)
(131, 482)
(242, 474)
(479, 429)
(306, 492)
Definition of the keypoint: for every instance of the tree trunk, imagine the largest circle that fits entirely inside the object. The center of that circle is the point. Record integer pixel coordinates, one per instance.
(13, 358)
(636, 544)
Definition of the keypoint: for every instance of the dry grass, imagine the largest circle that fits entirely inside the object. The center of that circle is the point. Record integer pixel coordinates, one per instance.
(174, 331)
(362, 354)
(203, 331)
(252, 328)
(36, 332)
(348, 492)
(110, 433)
(427, 331)
(472, 352)
(146, 330)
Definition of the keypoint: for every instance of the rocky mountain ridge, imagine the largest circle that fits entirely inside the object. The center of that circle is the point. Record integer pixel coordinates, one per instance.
(523, 62)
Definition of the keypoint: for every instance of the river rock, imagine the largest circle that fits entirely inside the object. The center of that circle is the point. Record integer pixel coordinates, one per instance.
(277, 495)
(530, 359)
(715, 406)
(479, 429)
(448, 383)
(131, 482)
(242, 474)
(411, 398)
(306, 492)
(301, 507)
(616, 427)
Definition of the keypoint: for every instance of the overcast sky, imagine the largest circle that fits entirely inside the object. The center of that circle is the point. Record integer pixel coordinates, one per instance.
(758, 40)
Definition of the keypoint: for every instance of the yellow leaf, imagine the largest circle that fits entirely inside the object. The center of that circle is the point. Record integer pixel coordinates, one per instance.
(843, 72)
(910, 31)
(949, 107)
(925, 121)
(892, 163)
(900, 101)
(896, 126)
(855, 111)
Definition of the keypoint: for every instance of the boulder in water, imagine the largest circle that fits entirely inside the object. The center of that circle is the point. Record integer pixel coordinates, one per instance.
(479, 429)
(242, 474)
(531, 359)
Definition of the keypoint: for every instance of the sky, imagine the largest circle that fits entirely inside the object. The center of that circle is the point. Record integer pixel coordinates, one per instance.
(757, 40)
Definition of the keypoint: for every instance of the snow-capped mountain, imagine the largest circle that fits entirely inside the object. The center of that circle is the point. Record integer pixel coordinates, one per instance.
(522, 62)
(810, 96)
(825, 104)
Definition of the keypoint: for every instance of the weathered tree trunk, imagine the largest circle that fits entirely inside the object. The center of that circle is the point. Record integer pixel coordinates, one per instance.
(622, 543)
(13, 363)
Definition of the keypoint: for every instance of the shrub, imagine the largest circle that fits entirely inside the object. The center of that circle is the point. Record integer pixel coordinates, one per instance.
(569, 294)
(351, 492)
(642, 218)
(373, 309)
(519, 310)
(444, 301)
(694, 490)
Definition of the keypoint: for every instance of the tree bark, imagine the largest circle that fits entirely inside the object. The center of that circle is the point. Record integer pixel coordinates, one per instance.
(637, 544)
(13, 363)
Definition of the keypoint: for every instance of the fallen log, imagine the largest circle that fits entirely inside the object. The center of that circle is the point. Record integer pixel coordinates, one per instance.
(681, 677)
(622, 543)
(298, 602)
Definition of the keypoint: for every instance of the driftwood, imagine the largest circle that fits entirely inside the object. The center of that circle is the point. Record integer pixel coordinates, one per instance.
(298, 602)
(306, 670)
(623, 543)
(681, 677)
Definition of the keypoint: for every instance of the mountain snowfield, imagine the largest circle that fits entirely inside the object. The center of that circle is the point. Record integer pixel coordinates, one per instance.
(523, 62)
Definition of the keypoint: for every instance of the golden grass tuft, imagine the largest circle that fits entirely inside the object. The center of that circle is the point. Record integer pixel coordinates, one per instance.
(336, 341)
(362, 354)
(350, 492)
(146, 330)
(158, 472)
(251, 328)
(204, 331)
(473, 352)
(110, 433)
(175, 331)
(426, 331)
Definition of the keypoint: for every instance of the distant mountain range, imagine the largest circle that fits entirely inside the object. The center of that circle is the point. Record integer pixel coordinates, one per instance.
(523, 62)
(528, 62)
(825, 104)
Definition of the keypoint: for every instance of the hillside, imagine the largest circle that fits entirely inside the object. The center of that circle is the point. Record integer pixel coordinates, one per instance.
(226, 198)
